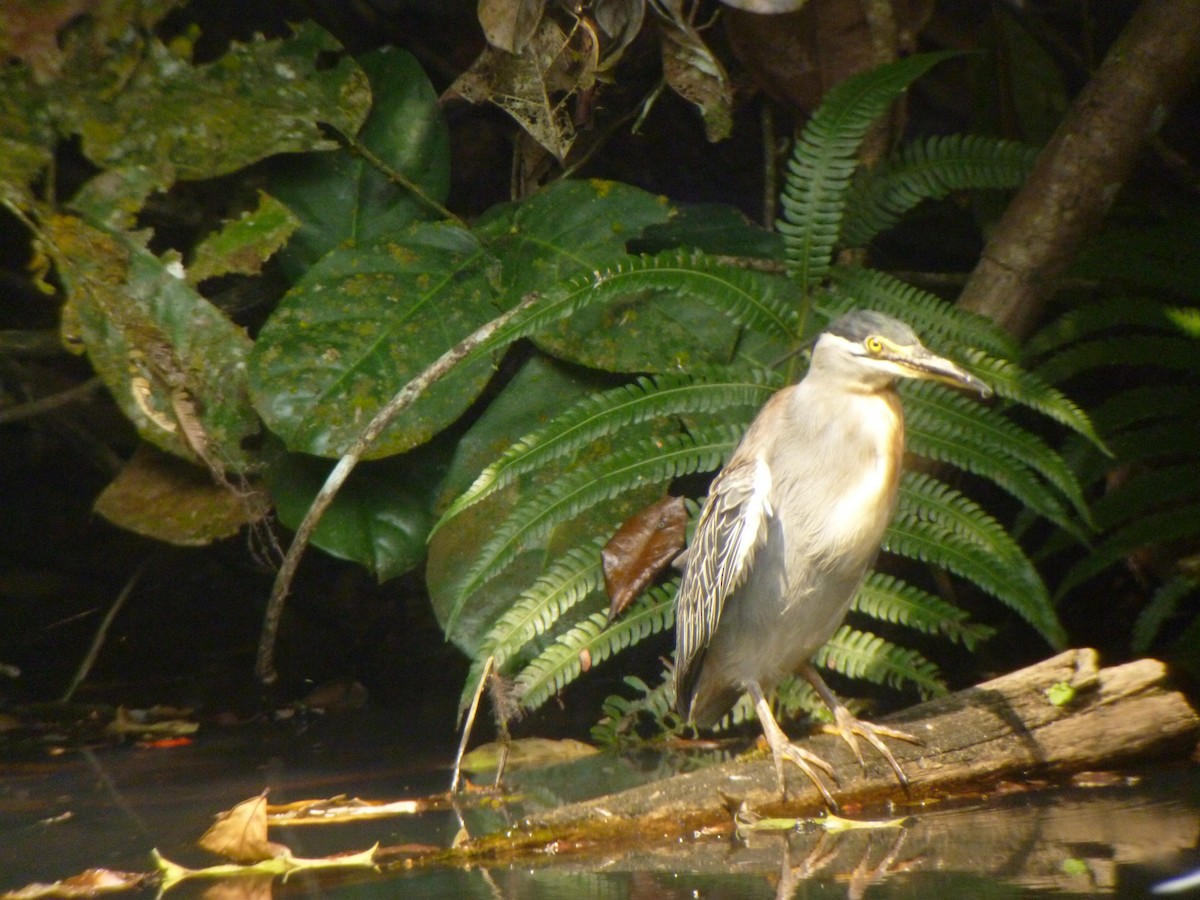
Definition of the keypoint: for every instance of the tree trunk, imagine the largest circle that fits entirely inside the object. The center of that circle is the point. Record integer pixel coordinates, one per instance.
(1082, 169)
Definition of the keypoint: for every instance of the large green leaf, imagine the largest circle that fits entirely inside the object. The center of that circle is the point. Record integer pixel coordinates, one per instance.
(583, 226)
(540, 390)
(26, 136)
(154, 341)
(340, 195)
(381, 516)
(537, 394)
(145, 103)
(360, 325)
(569, 228)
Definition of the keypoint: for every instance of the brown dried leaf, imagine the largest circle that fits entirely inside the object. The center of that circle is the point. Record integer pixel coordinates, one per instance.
(535, 86)
(240, 834)
(165, 498)
(695, 74)
(798, 56)
(642, 547)
(620, 20)
(250, 887)
(509, 24)
(88, 883)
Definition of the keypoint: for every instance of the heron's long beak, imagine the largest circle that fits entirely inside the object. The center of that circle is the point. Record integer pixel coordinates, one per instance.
(926, 365)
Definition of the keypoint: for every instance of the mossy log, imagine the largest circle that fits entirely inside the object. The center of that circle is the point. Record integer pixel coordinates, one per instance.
(1061, 716)
(1008, 728)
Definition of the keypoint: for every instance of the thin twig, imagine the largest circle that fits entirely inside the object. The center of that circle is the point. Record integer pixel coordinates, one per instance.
(89, 659)
(265, 666)
(400, 179)
(42, 405)
(770, 148)
(469, 722)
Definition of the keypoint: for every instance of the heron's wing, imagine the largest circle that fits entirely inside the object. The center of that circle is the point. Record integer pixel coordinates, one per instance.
(732, 526)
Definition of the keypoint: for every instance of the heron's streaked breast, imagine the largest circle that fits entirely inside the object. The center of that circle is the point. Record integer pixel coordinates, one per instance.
(874, 434)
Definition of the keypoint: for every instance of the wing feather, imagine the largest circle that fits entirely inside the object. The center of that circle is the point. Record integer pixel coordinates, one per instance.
(732, 527)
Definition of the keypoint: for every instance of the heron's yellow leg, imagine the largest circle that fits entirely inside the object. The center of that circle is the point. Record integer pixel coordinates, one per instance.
(849, 728)
(783, 749)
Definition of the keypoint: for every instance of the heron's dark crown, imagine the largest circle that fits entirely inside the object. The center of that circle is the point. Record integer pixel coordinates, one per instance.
(859, 324)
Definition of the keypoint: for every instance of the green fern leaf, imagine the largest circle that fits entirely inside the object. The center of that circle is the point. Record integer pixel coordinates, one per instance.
(561, 662)
(1177, 401)
(944, 425)
(1161, 607)
(1151, 490)
(931, 169)
(1155, 528)
(650, 462)
(564, 584)
(620, 715)
(928, 314)
(567, 581)
(889, 599)
(748, 298)
(825, 157)
(1014, 383)
(1180, 354)
(611, 412)
(1091, 319)
(860, 654)
(925, 496)
(914, 536)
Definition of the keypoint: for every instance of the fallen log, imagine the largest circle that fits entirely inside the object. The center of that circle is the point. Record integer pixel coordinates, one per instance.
(1059, 716)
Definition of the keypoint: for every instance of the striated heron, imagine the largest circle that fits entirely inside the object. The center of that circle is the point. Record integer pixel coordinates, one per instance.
(789, 528)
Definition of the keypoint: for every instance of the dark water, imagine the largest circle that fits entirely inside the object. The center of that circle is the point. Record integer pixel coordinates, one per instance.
(61, 815)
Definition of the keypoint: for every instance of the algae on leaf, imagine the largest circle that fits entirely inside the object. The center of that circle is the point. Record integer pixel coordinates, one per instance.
(146, 104)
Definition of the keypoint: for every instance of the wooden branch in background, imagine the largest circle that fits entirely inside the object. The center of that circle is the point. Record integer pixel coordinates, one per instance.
(1082, 169)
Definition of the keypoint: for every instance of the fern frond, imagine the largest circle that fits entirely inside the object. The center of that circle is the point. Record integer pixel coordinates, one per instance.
(889, 599)
(1155, 528)
(1151, 490)
(1175, 400)
(647, 462)
(925, 496)
(946, 426)
(570, 578)
(561, 662)
(860, 654)
(1160, 608)
(1014, 383)
(794, 695)
(1178, 354)
(609, 413)
(930, 316)
(927, 170)
(1090, 319)
(825, 157)
(913, 536)
(565, 583)
(747, 297)
(620, 714)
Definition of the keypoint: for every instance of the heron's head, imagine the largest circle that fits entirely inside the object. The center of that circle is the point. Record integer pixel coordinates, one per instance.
(867, 349)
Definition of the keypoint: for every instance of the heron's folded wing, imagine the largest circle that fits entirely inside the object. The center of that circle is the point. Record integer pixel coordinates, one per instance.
(732, 526)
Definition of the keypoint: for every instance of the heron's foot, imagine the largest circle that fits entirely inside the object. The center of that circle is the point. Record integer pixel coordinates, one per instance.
(808, 763)
(850, 728)
(783, 749)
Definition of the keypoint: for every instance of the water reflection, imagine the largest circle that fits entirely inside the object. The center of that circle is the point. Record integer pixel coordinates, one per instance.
(1114, 841)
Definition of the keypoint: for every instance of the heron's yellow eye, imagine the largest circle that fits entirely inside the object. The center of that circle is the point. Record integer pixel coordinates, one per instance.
(874, 345)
